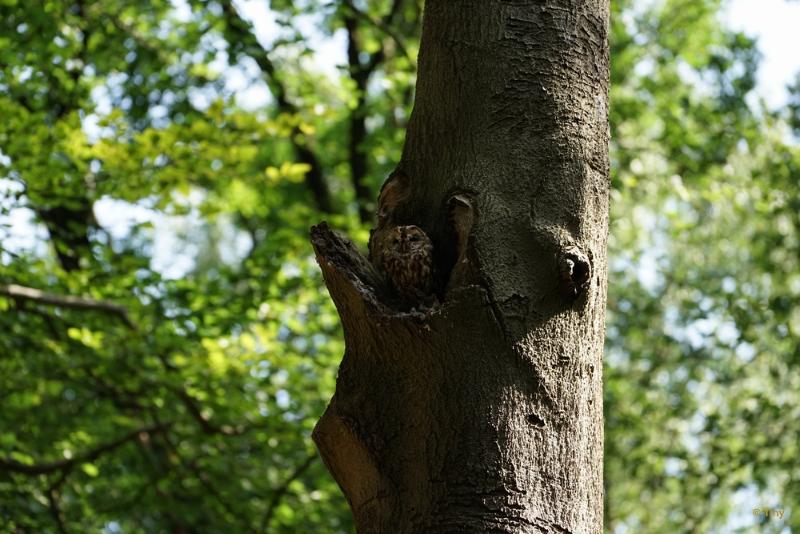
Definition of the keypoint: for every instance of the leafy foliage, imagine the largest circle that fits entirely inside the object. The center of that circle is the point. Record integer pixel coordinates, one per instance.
(212, 122)
(701, 404)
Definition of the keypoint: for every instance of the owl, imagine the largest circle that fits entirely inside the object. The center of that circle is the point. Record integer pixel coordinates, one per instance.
(406, 255)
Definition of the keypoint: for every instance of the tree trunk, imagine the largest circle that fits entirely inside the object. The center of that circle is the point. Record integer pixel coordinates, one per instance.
(483, 412)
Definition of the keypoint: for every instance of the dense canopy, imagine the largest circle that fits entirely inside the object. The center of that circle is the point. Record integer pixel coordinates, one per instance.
(166, 344)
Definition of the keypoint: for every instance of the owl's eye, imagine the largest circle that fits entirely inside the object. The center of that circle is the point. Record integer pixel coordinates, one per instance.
(414, 238)
(396, 240)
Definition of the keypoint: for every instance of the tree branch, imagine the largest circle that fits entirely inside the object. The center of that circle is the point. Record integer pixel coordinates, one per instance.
(52, 499)
(88, 456)
(207, 426)
(191, 466)
(282, 490)
(383, 25)
(361, 73)
(356, 287)
(241, 32)
(156, 50)
(357, 158)
(65, 301)
(55, 511)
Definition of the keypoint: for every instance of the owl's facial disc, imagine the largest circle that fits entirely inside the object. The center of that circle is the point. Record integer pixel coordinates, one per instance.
(406, 239)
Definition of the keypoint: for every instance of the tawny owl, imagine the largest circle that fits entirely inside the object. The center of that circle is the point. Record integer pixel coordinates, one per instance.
(407, 257)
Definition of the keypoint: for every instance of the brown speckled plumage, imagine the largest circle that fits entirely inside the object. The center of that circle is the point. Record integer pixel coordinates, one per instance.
(407, 258)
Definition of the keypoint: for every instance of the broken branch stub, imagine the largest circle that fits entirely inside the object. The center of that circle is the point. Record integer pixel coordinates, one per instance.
(354, 284)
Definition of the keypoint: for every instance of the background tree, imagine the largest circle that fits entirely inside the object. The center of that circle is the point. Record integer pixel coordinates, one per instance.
(140, 167)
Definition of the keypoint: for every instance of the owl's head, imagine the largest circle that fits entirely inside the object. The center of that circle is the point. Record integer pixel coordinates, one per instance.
(409, 240)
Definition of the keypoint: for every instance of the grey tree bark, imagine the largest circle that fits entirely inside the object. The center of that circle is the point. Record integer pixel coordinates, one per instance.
(483, 413)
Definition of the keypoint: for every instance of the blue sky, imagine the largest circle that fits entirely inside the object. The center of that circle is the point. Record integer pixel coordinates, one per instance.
(776, 24)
